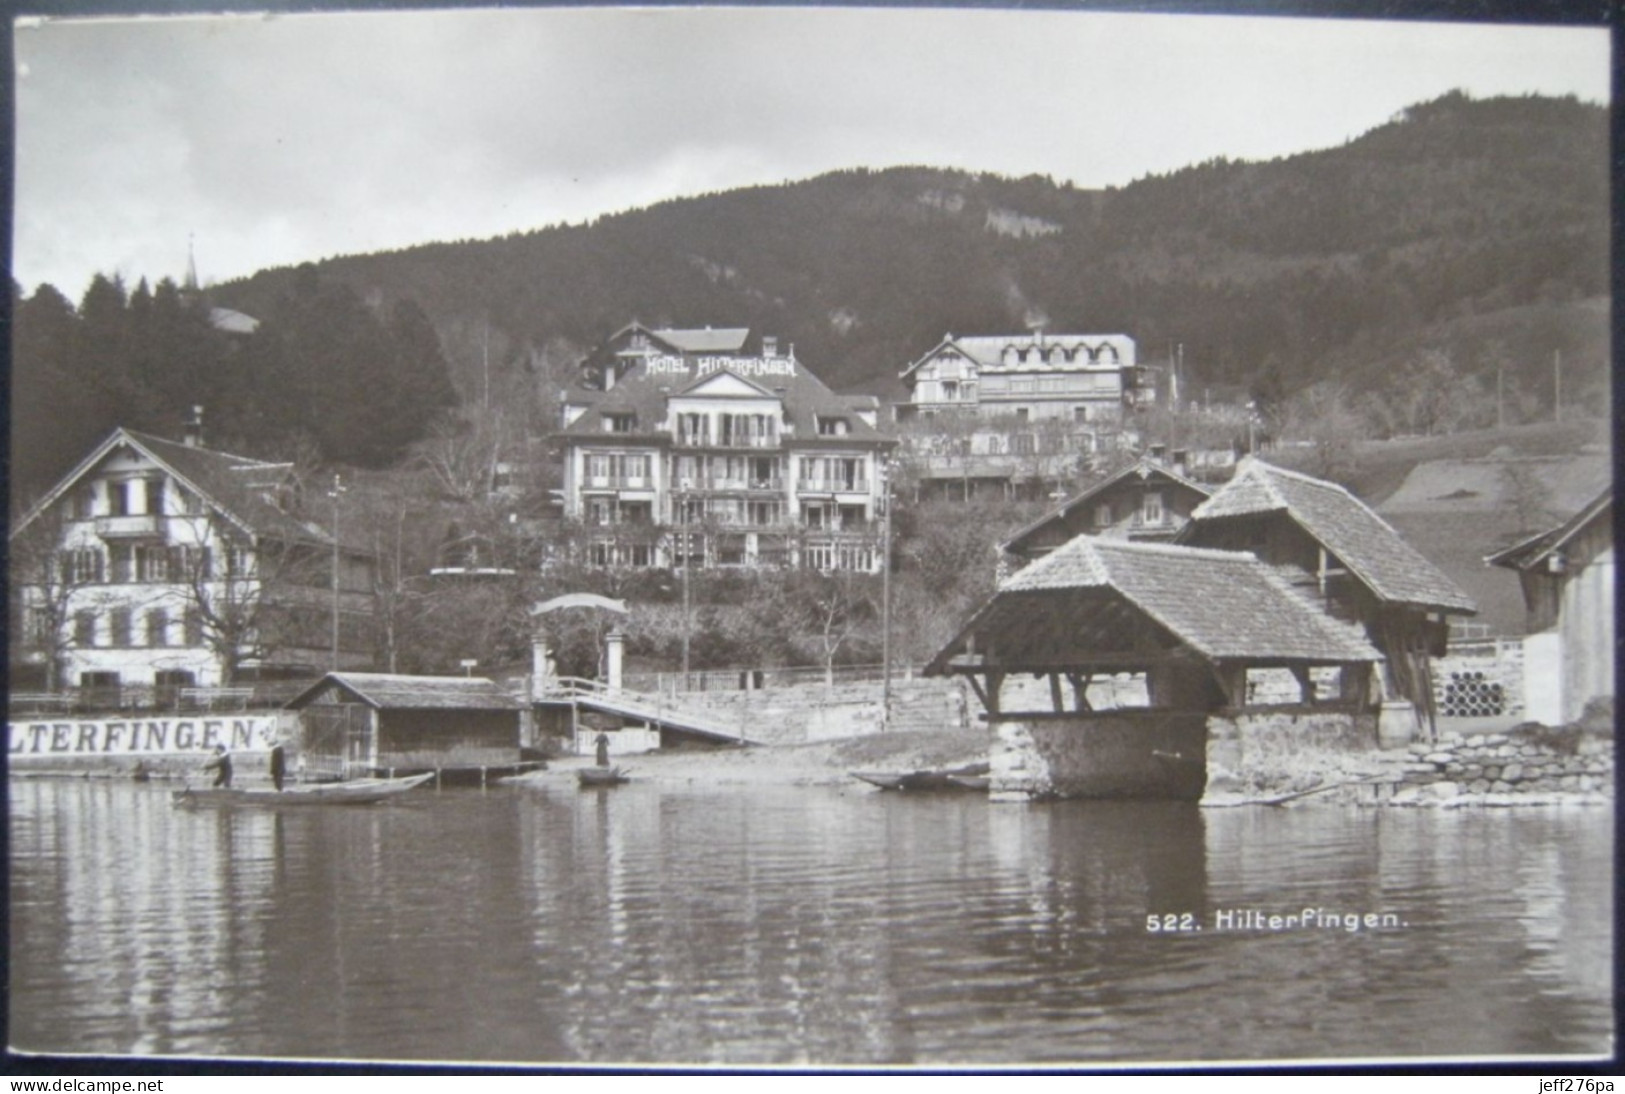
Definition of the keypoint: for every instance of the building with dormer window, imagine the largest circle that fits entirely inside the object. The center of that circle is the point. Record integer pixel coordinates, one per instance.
(157, 566)
(702, 446)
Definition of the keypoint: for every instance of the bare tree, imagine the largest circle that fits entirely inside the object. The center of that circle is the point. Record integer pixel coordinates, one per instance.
(47, 585)
(253, 596)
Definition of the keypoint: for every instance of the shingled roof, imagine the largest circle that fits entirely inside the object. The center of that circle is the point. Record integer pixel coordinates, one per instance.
(386, 691)
(1361, 540)
(1222, 605)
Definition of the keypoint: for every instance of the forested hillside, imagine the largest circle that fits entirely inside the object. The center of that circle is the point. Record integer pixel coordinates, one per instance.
(1463, 242)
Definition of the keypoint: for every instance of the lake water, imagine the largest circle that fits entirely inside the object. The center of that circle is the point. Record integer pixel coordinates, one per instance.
(799, 926)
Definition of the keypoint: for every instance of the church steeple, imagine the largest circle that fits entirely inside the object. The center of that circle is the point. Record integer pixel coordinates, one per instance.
(191, 266)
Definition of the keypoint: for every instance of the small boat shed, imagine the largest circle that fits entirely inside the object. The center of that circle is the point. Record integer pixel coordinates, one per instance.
(360, 723)
(1141, 645)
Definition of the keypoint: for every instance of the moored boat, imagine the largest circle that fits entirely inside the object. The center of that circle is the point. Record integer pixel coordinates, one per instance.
(602, 776)
(350, 792)
(965, 777)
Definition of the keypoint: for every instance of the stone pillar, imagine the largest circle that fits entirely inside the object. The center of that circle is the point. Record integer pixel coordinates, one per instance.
(614, 658)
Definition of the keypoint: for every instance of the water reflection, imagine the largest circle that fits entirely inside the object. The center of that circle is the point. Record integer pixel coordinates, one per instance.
(794, 926)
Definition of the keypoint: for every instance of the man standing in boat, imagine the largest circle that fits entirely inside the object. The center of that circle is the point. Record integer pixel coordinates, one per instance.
(602, 745)
(220, 764)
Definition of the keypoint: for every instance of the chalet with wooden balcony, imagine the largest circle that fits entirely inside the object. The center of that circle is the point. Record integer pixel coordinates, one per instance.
(713, 448)
(157, 566)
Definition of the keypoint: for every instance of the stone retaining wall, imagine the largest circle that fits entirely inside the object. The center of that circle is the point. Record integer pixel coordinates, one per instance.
(1506, 768)
(815, 712)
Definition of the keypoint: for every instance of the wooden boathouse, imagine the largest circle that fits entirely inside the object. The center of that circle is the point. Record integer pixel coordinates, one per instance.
(1334, 548)
(1141, 646)
(360, 723)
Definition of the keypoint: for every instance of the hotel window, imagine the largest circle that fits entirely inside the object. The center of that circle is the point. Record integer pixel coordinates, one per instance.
(694, 428)
(158, 627)
(950, 390)
(118, 499)
(832, 427)
(1103, 515)
(1151, 508)
(122, 631)
(154, 489)
(84, 629)
(192, 625)
(84, 502)
(620, 423)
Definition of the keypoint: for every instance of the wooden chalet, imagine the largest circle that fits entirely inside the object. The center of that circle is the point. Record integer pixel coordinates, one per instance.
(1191, 622)
(355, 723)
(1338, 552)
(1145, 501)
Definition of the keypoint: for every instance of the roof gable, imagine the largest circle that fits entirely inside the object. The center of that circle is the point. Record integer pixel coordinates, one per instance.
(725, 383)
(1145, 470)
(230, 484)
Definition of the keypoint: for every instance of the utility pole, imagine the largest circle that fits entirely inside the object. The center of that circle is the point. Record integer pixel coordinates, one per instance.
(885, 595)
(1557, 385)
(335, 493)
(1500, 397)
(682, 525)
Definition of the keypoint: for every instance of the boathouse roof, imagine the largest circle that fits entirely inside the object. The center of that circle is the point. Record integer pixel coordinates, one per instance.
(1100, 601)
(387, 691)
(1344, 525)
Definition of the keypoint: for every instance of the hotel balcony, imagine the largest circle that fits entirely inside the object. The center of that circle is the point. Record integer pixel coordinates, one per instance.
(706, 440)
(617, 482)
(143, 526)
(832, 486)
(729, 484)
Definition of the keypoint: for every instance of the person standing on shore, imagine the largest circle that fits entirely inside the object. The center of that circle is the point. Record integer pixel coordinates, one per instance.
(279, 765)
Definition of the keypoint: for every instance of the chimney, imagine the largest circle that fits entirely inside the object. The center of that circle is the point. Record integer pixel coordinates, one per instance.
(193, 437)
(770, 345)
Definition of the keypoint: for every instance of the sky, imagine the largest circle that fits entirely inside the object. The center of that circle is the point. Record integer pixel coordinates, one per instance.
(262, 141)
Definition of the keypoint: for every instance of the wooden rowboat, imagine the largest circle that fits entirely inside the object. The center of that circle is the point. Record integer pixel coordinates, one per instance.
(602, 776)
(351, 792)
(966, 777)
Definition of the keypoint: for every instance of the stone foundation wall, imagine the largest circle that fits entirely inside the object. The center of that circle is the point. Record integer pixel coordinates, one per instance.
(1124, 754)
(1505, 768)
(1280, 751)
